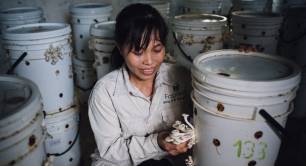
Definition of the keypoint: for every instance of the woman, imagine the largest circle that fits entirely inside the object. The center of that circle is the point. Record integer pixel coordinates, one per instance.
(132, 108)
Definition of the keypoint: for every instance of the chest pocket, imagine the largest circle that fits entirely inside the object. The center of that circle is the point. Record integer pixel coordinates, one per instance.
(173, 105)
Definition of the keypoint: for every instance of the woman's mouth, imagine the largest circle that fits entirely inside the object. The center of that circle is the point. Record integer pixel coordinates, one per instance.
(148, 71)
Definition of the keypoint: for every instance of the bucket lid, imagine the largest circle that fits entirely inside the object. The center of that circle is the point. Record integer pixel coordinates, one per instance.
(19, 98)
(20, 13)
(253, 17)
(103, 29)
(36, 31)
(90, 8)
(253, 72)
(199, 20)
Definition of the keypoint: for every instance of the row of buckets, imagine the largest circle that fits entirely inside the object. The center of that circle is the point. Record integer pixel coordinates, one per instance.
(220, 87)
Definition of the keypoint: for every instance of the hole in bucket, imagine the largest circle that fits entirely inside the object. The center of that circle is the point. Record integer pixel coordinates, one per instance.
(60, 109)
(70, 159)
(96, 21)
(105, 60)
(258, 134)
(12, 162)
(252, 163)
(27, 63)
(195, 111)
(224, 74)
(61, 95)
(57, 72)
(70, 142)
(83, 51)
(216, 142)
(220, 107)
(32, 140)
(78, 20)
(67, 126)
(81, 36)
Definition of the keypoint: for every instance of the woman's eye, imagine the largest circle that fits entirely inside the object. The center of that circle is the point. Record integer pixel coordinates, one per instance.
(138, 53)
(157, 50)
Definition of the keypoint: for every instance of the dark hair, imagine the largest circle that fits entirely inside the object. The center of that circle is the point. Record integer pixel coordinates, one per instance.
(134, 26)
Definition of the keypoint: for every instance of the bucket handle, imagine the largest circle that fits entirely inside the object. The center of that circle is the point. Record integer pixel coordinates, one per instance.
(64, 152)
(180, 48)
(16, 63)
(278, 129)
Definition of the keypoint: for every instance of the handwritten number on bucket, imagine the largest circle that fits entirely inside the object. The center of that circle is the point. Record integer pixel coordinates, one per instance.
(246, 149)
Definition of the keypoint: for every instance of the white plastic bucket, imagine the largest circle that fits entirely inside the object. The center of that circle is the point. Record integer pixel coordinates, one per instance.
(250, 5)
(19, 16)
(229, 90)
(85, 74)
(21, 131)
(4, 62)
(259, 30)
(63, 133)
(226, 140)
(83, 15)
(102, 43)
(48, 61)
(208, 7)
(197, 33)
(14, 17)
(71, 158)
(221, 7)
(102, 63)
(162, 6)
(293, 36)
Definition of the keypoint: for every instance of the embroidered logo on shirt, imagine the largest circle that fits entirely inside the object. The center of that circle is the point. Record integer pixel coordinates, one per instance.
(173, 97)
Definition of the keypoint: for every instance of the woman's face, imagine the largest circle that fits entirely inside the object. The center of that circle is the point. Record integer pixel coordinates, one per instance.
(144, 64)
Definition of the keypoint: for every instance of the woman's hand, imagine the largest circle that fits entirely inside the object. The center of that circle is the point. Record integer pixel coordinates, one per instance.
(171, 148)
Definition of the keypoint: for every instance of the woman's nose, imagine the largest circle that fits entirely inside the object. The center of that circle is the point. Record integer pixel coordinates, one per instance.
(147, 58)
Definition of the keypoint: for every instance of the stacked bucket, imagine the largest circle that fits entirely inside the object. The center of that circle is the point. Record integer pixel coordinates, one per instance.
(21, 131)
(221, 7)
(162, 6)
(102, 43)
(196, 33)
(292, 45)
(83, 15)
(48, 64)
(14, 17)
(251, 5)
(230, 90)
(258, 30)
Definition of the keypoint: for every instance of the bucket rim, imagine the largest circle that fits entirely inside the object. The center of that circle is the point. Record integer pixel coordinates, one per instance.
(50, 30)
(29, 108)
(198, 20)
(103, 29)
(287, 82)
(16, 13)
(88, 8)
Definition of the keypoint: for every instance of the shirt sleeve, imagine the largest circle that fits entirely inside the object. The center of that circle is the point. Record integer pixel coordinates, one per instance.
(114, 149)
